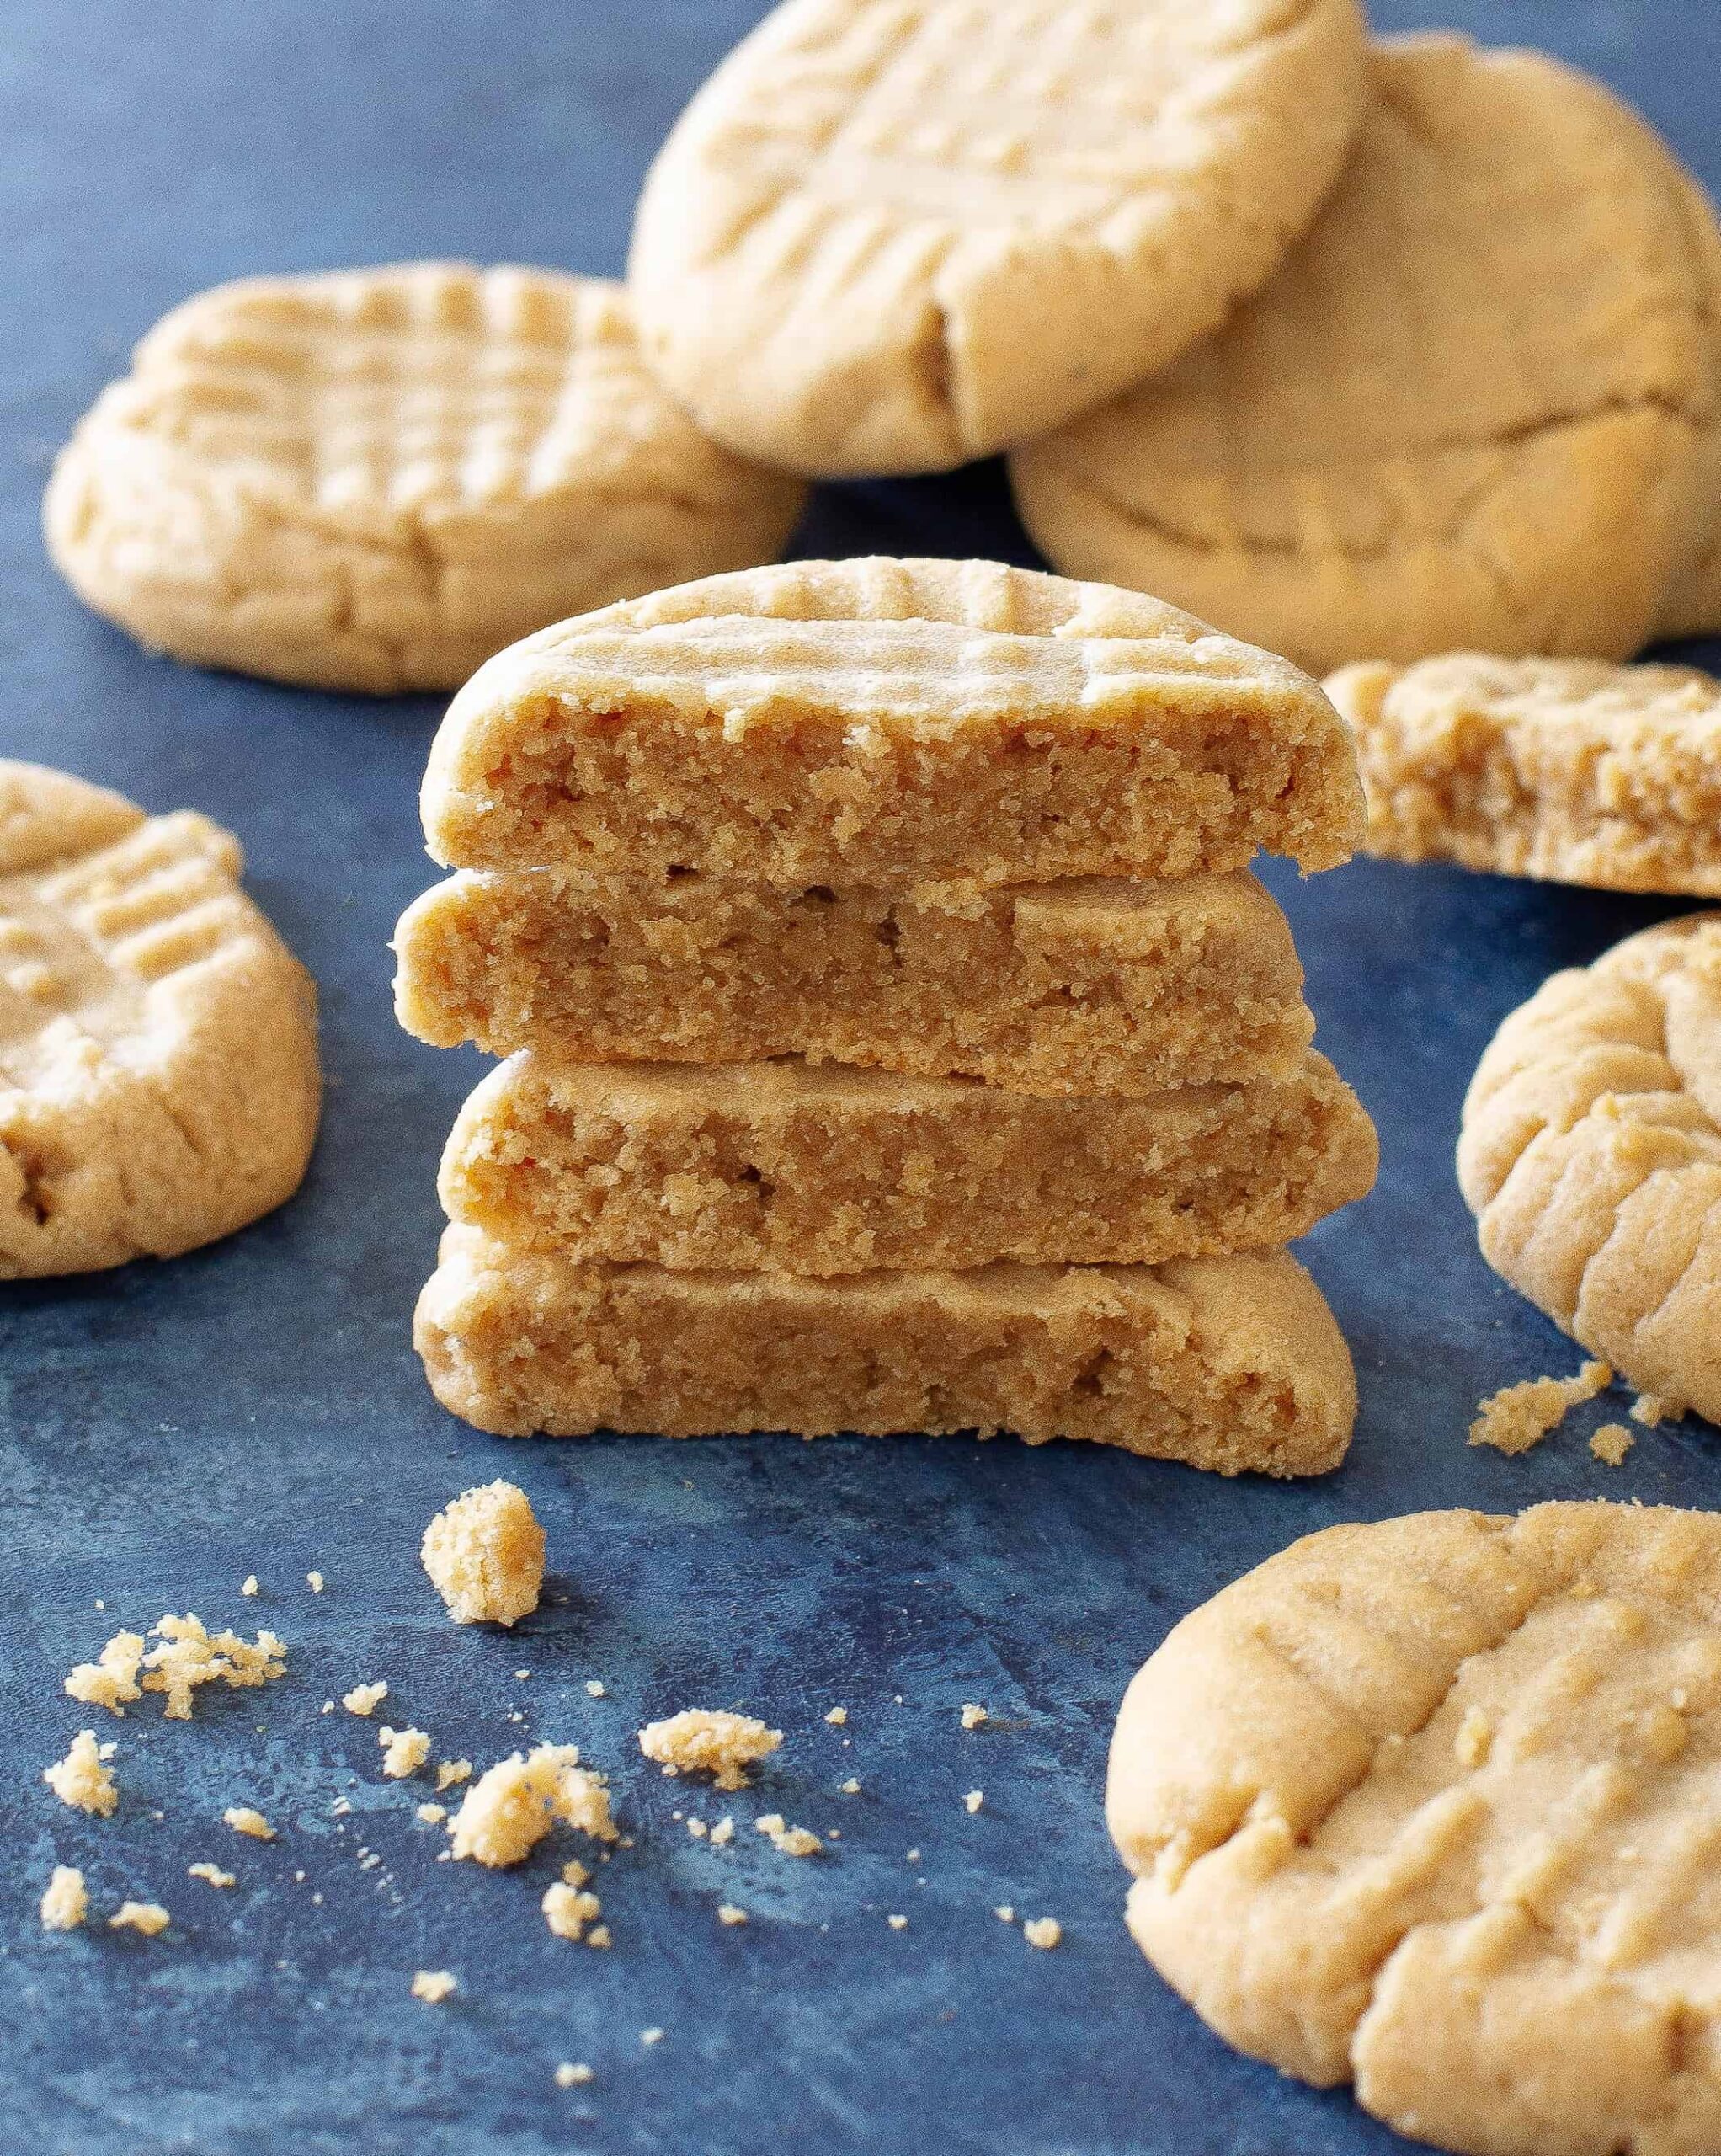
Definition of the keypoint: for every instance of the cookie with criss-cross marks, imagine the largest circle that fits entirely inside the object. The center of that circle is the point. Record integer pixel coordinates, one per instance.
(893, 235)
(905, 724)
(1432, 1806)
(158, 1075)
(1468, 415)
(1591, 1154)
(375, 478)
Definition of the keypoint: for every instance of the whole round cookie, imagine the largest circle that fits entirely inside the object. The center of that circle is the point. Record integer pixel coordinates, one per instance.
(1431, 1806)
(1591, 1154)
(1465, 415)
(159, 1084)
(1573, 770)
(374, 479)
(892, 235)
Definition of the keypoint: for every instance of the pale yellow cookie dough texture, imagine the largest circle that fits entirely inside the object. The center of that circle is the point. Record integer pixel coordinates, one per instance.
(893, 235)
(1470, 412)
(159, 1085)
(372, 479)
(1574, 771)
(484, 1552)
(946, 797)
(1430, 1807)
(1694, 608)
(1591, 1154)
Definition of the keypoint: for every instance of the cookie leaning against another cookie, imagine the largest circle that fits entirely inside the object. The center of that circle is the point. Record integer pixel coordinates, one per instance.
(901, 723)
(1591, 1154)
(158, 1074)
(1571, 770)
(893, 235)
(1232, 1363)
(1467, 413)
(376, 479)
(1431, 1805)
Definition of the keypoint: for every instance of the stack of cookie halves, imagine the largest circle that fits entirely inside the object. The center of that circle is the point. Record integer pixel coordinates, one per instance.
(896, 1039)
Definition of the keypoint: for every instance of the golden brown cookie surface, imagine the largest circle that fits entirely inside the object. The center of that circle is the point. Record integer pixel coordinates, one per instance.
(375, 478)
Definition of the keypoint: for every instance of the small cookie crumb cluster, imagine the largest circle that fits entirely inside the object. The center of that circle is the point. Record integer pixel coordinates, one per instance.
(485, 1555)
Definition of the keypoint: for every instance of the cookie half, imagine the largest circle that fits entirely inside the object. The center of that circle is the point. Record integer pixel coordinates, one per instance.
(893, 235)
(892, 722)
(1570, 769)
(1591, 1154)
(374, 479)
(1467, 415)
(813, 1168)
(159, 1084)
(1078, 987)
(1430, 1807)
(1232, 1363)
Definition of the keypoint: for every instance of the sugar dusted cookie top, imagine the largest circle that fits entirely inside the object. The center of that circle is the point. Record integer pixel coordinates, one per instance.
(1430, 1806)
(376, 479)
(893, 235)
(1573, 770)
(899, 723)
(1591, 1154)
(158, 1074)
(1465, 415)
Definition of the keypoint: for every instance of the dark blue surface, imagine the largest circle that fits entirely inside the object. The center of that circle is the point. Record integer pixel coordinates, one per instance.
(256, 1407)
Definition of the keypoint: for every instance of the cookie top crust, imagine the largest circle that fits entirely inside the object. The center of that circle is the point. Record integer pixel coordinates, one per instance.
(839, 247)
(813, 712)
(1591, 1154)
(377, 477)
(1466, 413)
(158, 1075)
(1429, 1806)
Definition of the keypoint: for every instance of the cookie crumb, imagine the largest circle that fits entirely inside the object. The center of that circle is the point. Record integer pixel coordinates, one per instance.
(1475, 1739)
(568, 1910)
(83, 1778)
(651, 2035)
(723, 1832)
(191, 1655)
(974, 1716)
(1520, 1416)
(111, 1680)
(1004, 1913)
(433, 1986)
(696, 1827)
(974, 1799)
(851, 1787)
(485, 1555)
(65, 1902)
(507, 1811)
(594, 1686)
(599, 1936)
(1651, 1410)
(212, 1873)
(404, 1751)
(365, 1699)
(787, 1840)
(245, 1819)
(838, 1716)
(1044, 1932)
(147, 1917)
(574, 2074)
(1611, 1442)
(709, 1740)
(314, 1581)
(248, 1586)
(433, 1815)
(450, 1772)
(898, 1924)
(574, 1873)
(728, 1913)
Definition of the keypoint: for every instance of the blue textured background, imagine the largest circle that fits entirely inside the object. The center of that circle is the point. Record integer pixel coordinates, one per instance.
(167, 1430)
